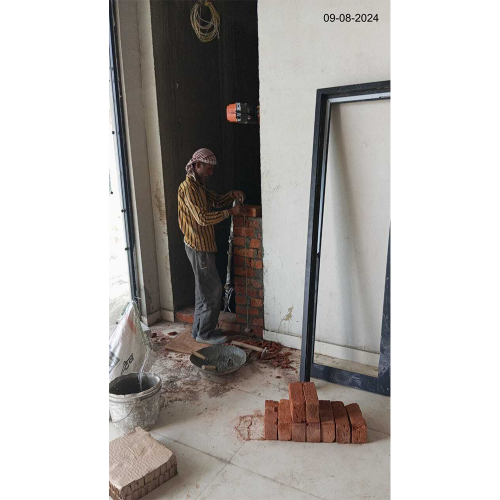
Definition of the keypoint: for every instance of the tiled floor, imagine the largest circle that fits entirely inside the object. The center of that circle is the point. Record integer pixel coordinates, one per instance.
(215, 429)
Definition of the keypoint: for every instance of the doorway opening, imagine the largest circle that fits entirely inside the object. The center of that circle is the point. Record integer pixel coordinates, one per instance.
(122, 270)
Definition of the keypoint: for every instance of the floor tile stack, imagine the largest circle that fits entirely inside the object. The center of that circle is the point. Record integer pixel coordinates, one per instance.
(138, 464)
(304, 418)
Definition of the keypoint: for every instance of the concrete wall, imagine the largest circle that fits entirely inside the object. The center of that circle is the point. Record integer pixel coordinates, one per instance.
(143, 141)
(299, 53)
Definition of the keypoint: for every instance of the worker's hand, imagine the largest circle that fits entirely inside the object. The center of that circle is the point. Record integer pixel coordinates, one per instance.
(239, 196)
(236, 210)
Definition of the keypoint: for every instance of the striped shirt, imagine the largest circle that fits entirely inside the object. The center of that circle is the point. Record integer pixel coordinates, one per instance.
(195, 218)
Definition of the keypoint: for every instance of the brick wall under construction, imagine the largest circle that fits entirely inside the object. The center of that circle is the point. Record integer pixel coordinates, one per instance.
(248, 270)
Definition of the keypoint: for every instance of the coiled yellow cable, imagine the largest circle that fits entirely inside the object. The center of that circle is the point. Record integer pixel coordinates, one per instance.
(207, 31)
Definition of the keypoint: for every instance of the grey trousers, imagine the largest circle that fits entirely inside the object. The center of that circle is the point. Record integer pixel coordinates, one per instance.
(208, 292)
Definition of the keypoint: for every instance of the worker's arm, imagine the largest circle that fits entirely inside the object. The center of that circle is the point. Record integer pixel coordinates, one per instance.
(222, 200)
(219, 200)
(239, 195)
(202, 215)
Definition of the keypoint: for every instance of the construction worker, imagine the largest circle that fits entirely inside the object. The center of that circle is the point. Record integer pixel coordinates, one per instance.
(196, 221)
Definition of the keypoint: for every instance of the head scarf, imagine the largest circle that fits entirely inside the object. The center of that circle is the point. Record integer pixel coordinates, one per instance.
(204, 155)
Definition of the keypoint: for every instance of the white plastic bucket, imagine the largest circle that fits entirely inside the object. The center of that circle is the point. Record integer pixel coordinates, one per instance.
(130, 407)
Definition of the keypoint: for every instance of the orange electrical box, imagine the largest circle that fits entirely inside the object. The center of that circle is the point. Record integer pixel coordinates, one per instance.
(241, 112)
(231, 113)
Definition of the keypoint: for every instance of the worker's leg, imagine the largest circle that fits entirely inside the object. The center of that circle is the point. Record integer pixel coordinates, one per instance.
(197, 307)
(208, 292)
(198, 303)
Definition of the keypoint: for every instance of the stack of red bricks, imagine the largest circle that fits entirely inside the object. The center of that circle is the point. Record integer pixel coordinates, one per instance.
(248, 269)
(304, 418)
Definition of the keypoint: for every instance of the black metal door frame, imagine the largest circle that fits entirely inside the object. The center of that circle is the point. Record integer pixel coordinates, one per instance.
(325, 98)
(123, 166)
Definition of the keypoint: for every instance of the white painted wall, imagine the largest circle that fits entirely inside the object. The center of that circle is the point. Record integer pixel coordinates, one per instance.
(299, 53)
(356, 226)
(151, 122)
(143, 141)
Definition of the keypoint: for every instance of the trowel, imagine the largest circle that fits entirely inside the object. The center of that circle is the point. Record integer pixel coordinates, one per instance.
(203, 367)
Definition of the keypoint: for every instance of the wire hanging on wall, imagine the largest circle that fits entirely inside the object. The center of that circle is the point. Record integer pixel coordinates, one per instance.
(205, 30)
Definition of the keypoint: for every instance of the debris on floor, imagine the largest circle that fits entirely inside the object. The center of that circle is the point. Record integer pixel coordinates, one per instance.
(182, 381)
(304, 418)
(274, 355)
(138, 464)
(182, 342)
(250, 427)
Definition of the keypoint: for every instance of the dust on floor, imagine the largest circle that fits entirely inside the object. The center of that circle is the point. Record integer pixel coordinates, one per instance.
(182, 381)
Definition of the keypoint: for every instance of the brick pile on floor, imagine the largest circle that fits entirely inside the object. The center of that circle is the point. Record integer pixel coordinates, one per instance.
(304, 418)
(138, 464)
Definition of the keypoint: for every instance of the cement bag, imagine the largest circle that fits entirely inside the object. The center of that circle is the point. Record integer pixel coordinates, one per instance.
(130, 348)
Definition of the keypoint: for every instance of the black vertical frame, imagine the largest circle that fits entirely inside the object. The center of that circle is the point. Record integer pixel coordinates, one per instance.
(325, 98)
(123, 166)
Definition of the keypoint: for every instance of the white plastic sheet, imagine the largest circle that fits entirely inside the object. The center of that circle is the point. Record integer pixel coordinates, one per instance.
(129, 346)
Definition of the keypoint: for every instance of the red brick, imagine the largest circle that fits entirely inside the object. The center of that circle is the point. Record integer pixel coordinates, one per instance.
(239, 241)
(229, 327)
(258, 322)
(252, 311)
(240, 290)
(342, 425)
(241, 319)
(239, 280)
(256, 303)
(284, 421)
(313, 432)
(327, 422)
(257, 263)
(242, 261)
(312, 402)
(261, 294)
(252, 292)
(240, 300)
(250, 273)
(325, 411)
(358, 424)
(254, 223)
(251, 210)
(245, 252)
(186, 317)
(241, 271)
(238, 221)
(299, 432)
(254, 243)
(255, 283)
(244, 231)
(271, 420)
(297, 402)
(257, 330)
(259, 253)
